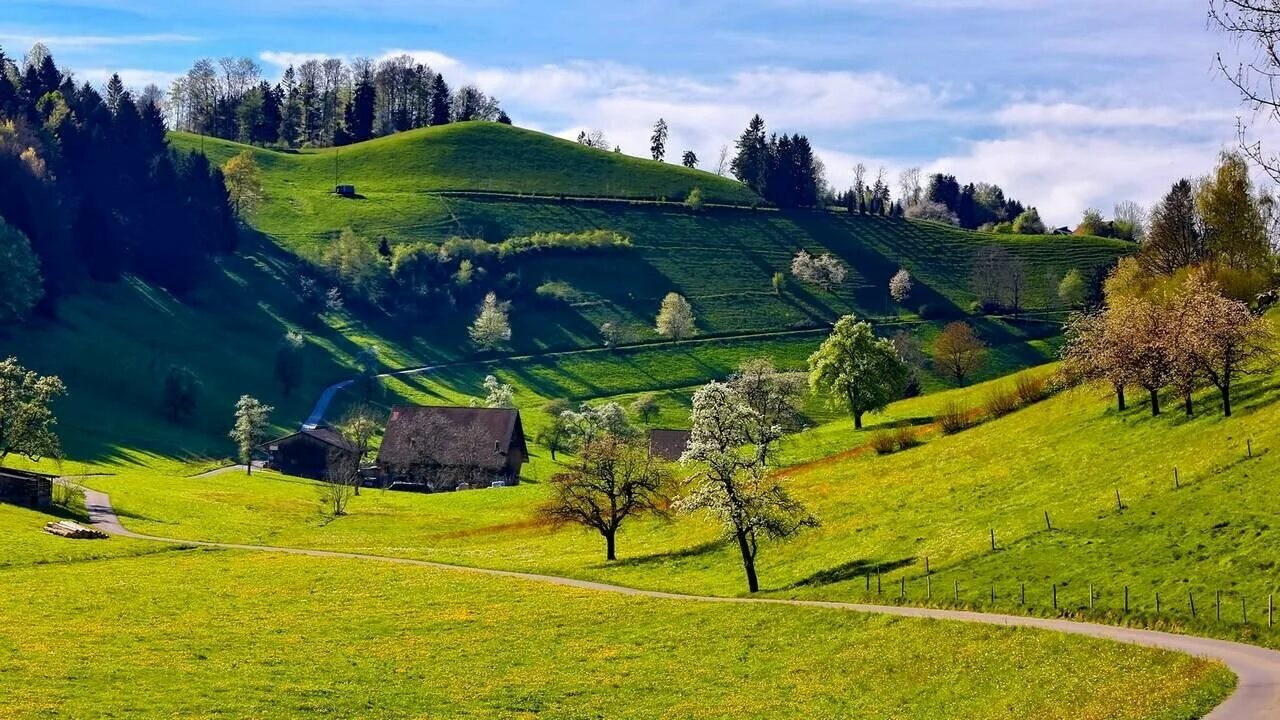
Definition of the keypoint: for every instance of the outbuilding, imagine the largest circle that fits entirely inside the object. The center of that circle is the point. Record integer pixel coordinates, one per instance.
(308, 452)
(27, 489)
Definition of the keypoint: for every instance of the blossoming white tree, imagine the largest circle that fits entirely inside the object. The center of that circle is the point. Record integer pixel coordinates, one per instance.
(900, 285)
(675, 318)
(492, 327)
(825, 271)
(730, 443)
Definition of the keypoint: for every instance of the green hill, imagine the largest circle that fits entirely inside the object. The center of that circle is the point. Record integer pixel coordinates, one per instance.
(722, 258)
(475, 156)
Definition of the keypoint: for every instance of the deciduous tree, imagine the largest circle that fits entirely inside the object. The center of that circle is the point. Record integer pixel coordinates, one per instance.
(252, 421)
(614, 479)
(288, 370)
(675, 318)
(959, 352)
(244, 183)
(855, 368)
(900, 285)
(492, 326)
(731, 482)
(26, 413)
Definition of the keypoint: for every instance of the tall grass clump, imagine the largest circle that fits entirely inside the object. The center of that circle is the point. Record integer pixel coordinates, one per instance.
(906, 437)
(953, 418)
(1001, 402)
(1031, 388)
(883, 442)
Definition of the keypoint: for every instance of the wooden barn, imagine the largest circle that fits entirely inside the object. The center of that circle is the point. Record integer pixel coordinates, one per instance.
(436, 449)
(28, 489)
(668, 445)
(308, 452)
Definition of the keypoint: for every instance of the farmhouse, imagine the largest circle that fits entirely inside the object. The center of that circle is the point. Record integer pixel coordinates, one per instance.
(668, 445)
(444, 448)
(308, 452)
(28, 489)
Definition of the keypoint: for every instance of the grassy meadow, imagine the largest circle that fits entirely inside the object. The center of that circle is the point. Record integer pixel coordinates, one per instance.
(215, 633)
(1066, 456)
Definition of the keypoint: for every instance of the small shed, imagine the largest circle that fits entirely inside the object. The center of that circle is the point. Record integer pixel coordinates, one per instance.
(308, 452)
(345, 190)
(668, 445)
(27, 489)
(437, 448)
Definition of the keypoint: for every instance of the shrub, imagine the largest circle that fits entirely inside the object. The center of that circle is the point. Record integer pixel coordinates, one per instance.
(1030, 388)
(906, 437)
(953, 418)
(883, 442)
(577, 241)
(1001, 402)
(558, 291)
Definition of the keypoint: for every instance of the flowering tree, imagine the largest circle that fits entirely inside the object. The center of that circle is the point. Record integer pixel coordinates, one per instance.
(250, 429)
(825, 271)
(675, 318)
(492, 326)
(900, 285)
(496, 394)
(729, 445)
(1226, 339)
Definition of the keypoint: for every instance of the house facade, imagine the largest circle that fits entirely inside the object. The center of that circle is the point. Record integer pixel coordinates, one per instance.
(668, 445)
(434, 449)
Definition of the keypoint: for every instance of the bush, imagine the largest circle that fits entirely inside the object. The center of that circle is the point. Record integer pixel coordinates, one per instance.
(906, 437)
(883, 442)
(544, 241)
(558, 291)
(1030, 388)
(953, 418)
(1001, 402)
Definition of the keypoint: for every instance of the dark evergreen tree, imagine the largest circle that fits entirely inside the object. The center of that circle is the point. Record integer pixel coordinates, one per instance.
(360, 111)
(751, 163)
(440, 101)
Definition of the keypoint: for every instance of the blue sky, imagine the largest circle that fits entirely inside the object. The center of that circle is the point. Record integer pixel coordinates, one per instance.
(1066, 104)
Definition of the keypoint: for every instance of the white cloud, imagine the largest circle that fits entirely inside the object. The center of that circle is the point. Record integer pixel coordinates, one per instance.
(134, 78)
(1062, 173)
(56, 42)
(1074, 115)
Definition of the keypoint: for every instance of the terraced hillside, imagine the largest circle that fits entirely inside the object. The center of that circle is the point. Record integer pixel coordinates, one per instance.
(722, 258)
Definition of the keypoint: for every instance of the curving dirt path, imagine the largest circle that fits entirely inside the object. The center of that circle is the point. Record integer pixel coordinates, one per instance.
(1257, 695)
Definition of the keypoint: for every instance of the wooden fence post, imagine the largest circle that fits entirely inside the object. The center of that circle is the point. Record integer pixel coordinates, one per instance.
(1249, 444)
(1175, 478)
(926, 564)
(1048, 525)
(902, 588)
(1191, 600)
(1270, 609)
(868, 581)
(1219, 604)
(928, 588)
(1119, 505)
(1022, 596)
(1244, 615)
(955, 584)
(1055, 596)
(993, 539)
(1090, 596)
(879, 590)
(1126, 599)
(993, 593)
(1157, 602)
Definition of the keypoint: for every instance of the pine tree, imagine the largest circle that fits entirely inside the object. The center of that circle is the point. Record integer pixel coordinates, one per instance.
(658, 141)
(440, 101)
(359, 114)
(750, 165)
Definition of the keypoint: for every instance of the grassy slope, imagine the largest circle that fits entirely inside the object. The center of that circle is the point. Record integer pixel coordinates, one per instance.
(204, 634)
(722, 259)
(476, 156)
(1066, 456)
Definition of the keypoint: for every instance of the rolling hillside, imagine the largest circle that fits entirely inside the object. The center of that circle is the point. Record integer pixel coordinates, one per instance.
(722, 259)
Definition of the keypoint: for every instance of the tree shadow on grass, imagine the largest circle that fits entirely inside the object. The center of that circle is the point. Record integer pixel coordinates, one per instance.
(849, 571)
(692, 551)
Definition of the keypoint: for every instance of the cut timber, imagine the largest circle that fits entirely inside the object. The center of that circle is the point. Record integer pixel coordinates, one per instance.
(76, 531)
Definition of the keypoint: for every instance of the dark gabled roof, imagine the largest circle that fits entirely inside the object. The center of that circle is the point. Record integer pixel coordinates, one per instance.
(326, 435)
(668, 444)
(26, 474)
(452, 436)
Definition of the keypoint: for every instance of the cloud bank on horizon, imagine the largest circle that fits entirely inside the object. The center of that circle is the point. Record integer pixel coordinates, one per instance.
(1066, 105)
